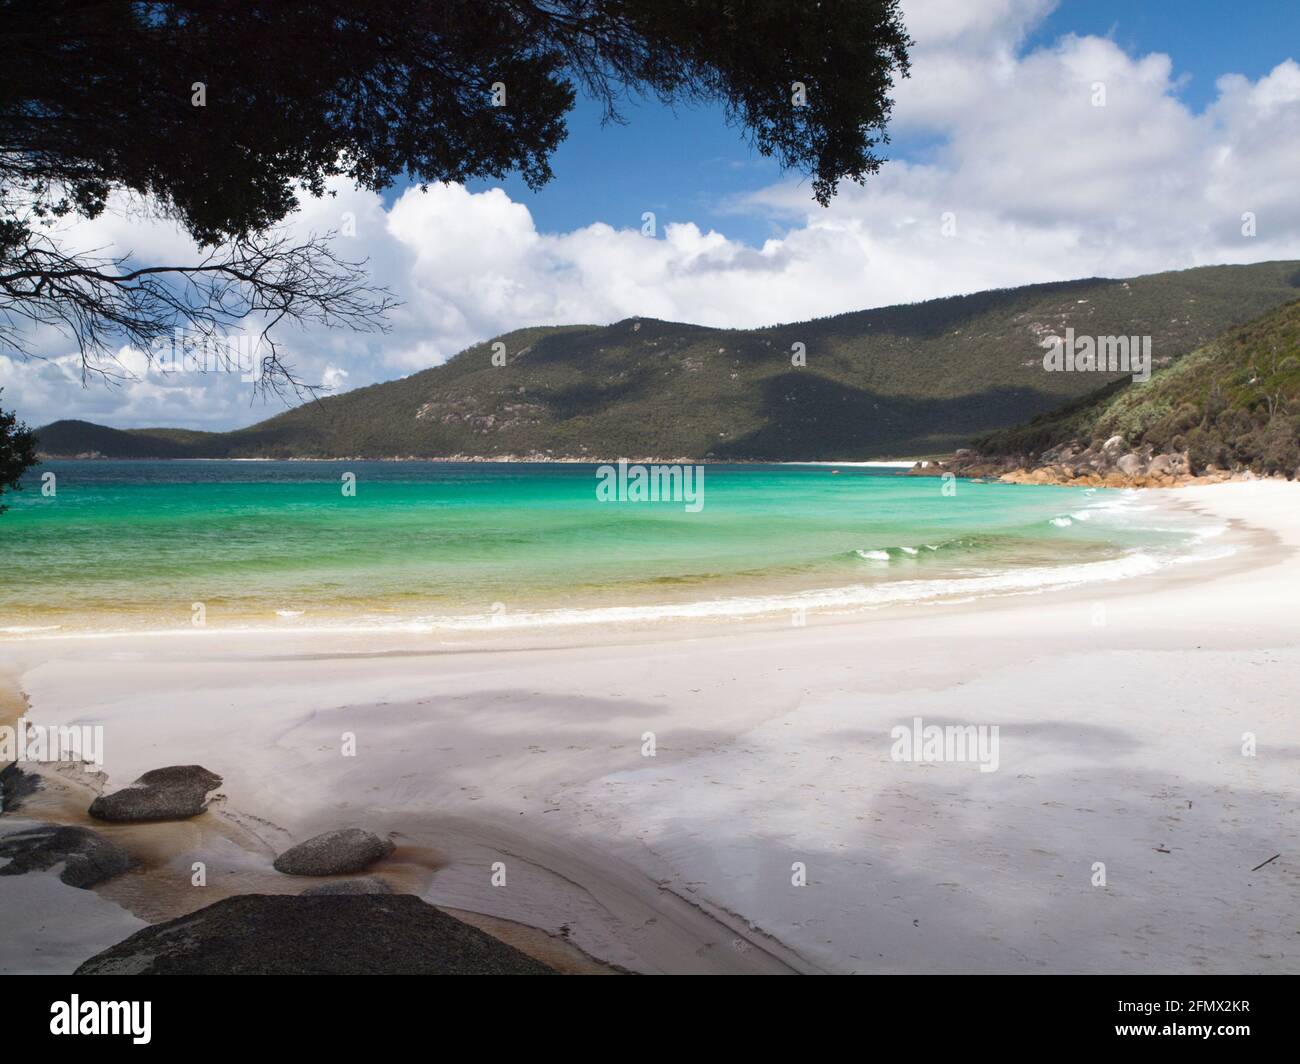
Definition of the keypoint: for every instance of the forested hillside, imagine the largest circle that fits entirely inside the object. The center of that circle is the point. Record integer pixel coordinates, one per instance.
(906, 380)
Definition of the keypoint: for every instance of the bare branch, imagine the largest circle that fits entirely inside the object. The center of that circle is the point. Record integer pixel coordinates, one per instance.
(101, 302)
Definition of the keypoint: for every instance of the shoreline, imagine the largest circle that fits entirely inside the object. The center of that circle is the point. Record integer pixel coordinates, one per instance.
(926, 466)
(773, 748)
(729, 607)
(526, 459)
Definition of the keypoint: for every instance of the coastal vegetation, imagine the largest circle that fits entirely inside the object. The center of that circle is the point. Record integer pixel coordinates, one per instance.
(1232, 404)
(17, 451)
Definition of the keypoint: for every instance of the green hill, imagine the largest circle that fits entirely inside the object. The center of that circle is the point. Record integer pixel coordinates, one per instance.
(1233, 403)
(84, 437)
(905, 380)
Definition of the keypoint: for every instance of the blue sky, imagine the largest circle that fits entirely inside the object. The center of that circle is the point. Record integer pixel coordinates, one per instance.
(1205, 38)
(689, 164)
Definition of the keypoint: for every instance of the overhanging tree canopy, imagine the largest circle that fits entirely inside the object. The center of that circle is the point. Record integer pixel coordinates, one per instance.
(217, 112)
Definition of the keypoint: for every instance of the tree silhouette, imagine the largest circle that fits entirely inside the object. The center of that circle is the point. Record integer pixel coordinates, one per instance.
(219, 114)
(17, 452)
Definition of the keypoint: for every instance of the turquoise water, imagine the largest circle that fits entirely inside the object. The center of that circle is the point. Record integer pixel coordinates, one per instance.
(136, 545)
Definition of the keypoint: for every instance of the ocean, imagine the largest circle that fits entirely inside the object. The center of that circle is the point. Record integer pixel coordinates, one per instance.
(182, 546)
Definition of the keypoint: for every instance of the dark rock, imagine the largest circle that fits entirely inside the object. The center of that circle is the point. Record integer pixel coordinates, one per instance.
(261, 934)
(174, 793)
(334, 853)
(15, 785)
(87, 857)
(366, 885)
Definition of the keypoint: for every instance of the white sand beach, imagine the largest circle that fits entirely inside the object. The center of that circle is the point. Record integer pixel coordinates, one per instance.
(1121, 743)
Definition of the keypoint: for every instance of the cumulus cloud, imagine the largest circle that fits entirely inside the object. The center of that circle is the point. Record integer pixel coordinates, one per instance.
(1068, 160)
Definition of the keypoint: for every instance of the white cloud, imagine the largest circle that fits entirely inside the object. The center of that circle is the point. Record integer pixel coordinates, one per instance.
(964, 52)
(1043, 185)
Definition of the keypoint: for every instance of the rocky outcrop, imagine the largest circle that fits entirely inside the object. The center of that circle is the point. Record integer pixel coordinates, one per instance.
(1107, 465)
(334, 853)
(87, 857)
(1130, 465)
(260, 934)
(174, 793)
(1168, 465)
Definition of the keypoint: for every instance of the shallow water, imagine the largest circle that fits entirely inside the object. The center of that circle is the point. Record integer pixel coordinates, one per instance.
(170, 546)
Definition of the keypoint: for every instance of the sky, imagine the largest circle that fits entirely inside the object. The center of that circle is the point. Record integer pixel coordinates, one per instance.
(1004, 169)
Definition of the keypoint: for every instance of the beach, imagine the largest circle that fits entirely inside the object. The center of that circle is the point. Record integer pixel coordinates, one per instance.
(771, 831)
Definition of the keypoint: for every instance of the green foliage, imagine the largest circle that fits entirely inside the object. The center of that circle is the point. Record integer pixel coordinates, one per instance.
(17, 451)
(1233, 403)
(297, 92)
(899, 381)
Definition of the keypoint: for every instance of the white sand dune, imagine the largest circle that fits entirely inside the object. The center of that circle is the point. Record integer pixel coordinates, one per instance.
(1120, 743)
